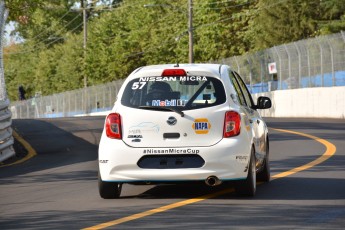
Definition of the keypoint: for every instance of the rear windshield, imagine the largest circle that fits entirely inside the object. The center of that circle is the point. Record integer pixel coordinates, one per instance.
(181, 93)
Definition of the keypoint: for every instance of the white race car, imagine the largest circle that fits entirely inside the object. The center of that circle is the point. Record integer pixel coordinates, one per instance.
(184, 123)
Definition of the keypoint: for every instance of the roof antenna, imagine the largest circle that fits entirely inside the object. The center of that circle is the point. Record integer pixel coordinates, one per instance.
(177, 65)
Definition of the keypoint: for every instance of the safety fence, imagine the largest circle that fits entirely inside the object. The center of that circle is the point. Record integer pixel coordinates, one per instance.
(85, 101)
(6, 139)
(317, 62)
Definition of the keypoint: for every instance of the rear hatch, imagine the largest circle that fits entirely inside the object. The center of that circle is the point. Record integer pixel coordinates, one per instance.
(173, 110)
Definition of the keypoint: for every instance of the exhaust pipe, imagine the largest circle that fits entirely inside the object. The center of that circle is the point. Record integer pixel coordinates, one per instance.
(212, 181)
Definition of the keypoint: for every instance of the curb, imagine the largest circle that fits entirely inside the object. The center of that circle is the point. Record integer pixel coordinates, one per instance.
(31, 152)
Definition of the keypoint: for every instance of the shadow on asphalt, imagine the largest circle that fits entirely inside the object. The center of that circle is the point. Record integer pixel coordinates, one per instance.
(55, 147)
(288, 188)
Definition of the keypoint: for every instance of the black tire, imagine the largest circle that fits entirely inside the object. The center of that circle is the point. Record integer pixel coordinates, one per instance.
(109, 190)
(248, 186)
(265, 174)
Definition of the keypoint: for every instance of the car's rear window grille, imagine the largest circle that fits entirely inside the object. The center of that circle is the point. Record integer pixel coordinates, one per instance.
(171, 161)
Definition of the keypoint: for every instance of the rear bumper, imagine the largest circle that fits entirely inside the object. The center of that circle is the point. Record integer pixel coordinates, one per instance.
(227, 160)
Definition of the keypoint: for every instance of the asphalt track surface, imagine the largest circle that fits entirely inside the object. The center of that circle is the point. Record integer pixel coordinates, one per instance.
(57, 188)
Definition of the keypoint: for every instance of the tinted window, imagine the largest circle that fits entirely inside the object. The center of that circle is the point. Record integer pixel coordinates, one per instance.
(185, 92)
(240, 97)
(246, 94)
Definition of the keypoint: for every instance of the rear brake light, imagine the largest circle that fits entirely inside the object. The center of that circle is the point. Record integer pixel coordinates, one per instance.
(174, 72)
(232, 124)
(113, 126)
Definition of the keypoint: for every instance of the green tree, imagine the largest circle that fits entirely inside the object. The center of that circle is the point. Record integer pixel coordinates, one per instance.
(221, 28)
(19, 70)
(332, 16)
(20, 10)
(278, 22)
(49, 22)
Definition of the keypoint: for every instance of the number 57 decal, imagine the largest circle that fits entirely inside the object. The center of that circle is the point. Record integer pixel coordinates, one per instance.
(138, 85)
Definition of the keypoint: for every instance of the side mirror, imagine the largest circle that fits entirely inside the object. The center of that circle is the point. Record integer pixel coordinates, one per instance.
(264, 103)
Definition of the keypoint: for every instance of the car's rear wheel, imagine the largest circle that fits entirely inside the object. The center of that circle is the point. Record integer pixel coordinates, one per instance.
(248, 187)
(265, 174)
(109, 190)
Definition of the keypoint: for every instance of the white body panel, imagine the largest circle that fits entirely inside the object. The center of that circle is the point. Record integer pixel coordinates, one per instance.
(227, 159)
(152, 124)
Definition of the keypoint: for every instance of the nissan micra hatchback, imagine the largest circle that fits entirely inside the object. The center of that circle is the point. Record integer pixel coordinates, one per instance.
(184, 123)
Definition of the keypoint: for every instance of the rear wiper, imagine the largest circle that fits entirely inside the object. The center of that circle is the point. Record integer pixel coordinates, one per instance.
(196, 94)
(162, 109)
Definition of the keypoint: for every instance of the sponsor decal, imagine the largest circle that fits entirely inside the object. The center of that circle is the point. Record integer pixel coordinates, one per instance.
(171, 151)
(201, 126)
(136, 140)
(134, 131)
(144, 79)
(143, 127)
(103, 161)
(242, 159)
(193, 78)
(135, 136)
(169, 102)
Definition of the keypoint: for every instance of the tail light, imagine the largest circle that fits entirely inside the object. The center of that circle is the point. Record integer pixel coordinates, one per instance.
(174, 72)
(232, 124)
(113, 126)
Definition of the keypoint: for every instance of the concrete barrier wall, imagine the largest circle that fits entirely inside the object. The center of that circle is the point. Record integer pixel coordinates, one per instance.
(325, 102)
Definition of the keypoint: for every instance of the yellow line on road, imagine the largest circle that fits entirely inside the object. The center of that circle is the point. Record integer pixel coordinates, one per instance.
(160, 209)
(330, 151)
(27, 146)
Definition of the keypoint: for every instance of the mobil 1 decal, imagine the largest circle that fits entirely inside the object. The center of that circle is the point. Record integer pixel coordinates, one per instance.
(201, 126)
(172, 102)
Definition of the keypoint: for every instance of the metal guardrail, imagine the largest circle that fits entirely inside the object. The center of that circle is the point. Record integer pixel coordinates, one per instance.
(6, 138)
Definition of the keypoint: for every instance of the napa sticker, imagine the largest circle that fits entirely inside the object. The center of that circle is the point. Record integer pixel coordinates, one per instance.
(201, 126)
